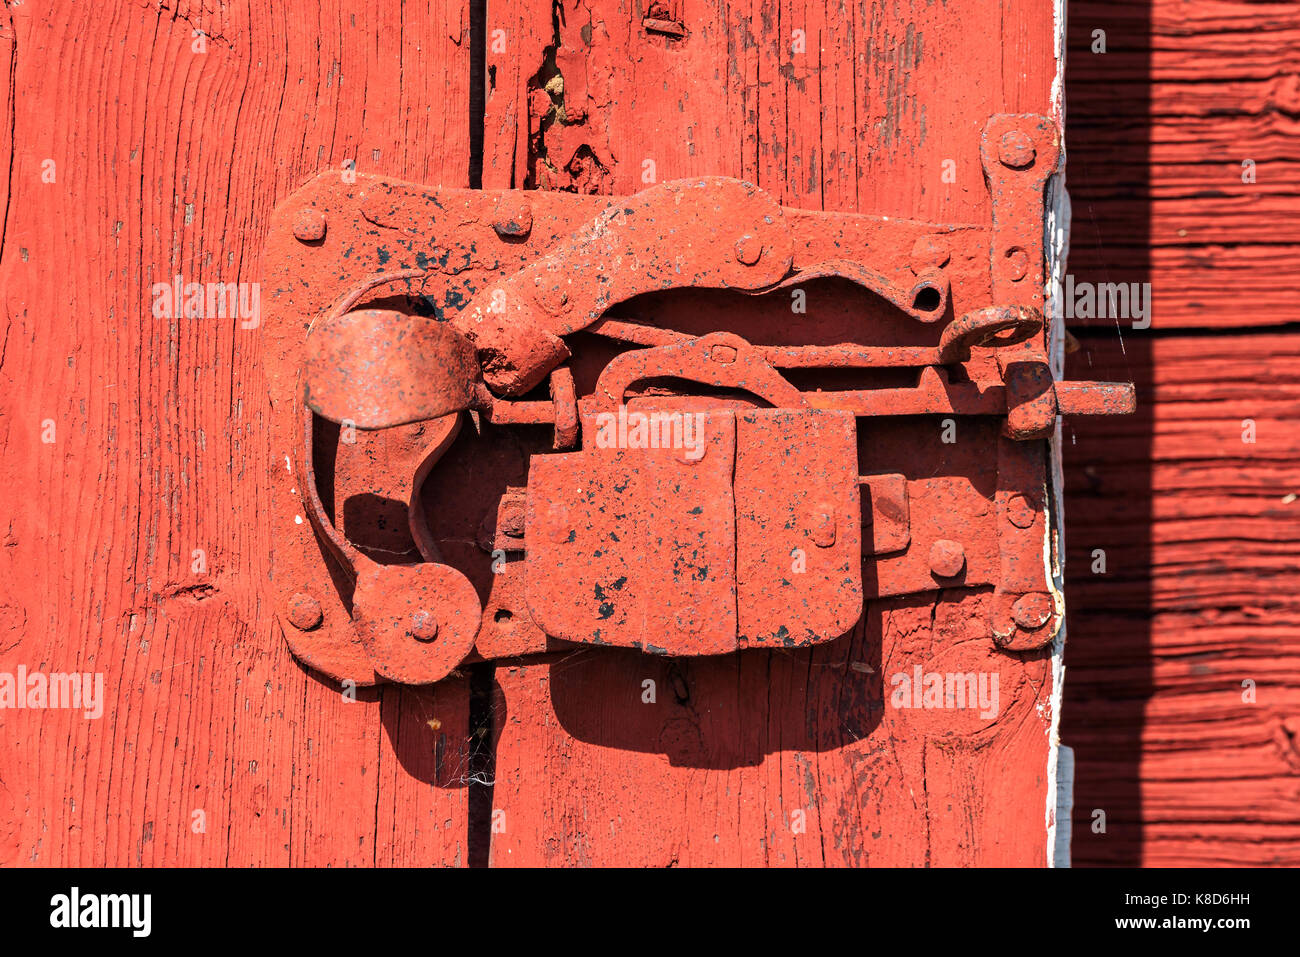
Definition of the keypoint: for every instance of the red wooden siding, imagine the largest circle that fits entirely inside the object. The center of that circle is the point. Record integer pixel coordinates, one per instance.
(170, 161)
(738, 749)
(1201, 530)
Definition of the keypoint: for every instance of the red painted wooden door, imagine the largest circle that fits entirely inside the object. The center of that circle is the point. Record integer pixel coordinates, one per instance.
(138, 543)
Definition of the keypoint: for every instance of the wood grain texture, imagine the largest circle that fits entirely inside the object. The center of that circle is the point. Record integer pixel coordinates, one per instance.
(768, 758)
(1198, 529)
(774, 758)
(1201, 536)
(1158, 128)
(862, 118)
(169, 161)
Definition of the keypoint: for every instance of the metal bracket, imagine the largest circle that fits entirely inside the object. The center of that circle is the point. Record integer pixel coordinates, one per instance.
(501, 292)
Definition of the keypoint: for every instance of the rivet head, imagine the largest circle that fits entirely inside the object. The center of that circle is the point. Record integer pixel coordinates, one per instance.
(305, 612)
(1016, 149)
(822, 525)
(1020, 511)
(423, 627)
(511, 519)
(309, 225)
(1017, 263)
(1033, 610)
(947, 558)
(514, 217)
(748, 249)
(928, 253)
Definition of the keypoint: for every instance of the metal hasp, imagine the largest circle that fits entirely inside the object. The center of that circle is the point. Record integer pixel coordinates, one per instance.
(689, 421)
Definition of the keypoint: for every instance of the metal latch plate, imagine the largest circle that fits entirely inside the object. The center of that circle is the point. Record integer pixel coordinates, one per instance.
(749, 536)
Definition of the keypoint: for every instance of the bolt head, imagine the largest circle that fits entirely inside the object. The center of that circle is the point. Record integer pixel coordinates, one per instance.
(748, 250)
(822, 525)
(1033, 610)
(423, 627)
(305, 612)
(514, 217)
(947, 558)
(1016, 149)
(928, 253)
(510, 519)
(1017, 263)
(1020, 511)
(309, 225)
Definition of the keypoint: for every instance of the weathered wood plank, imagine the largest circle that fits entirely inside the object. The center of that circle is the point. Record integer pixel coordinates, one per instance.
(1159, 126)
(169, 155)
(1201, 537)
(768, 758)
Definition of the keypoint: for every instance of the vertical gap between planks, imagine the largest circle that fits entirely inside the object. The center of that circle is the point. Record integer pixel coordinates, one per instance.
(482, 764)
(478, 819)
(477, 89)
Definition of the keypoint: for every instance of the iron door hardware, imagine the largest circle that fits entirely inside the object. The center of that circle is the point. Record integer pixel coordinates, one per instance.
(406, 321)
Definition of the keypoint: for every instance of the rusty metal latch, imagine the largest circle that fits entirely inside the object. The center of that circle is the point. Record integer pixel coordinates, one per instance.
(710, 477)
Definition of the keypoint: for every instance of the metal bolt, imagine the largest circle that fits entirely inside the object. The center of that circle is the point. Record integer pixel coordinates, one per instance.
(1016, 149)
(692, 454)
(947, 558)
(723, 354)
(514, 217)
(1033, 610)
(928, 253)
(748, 249)
(510, 519)
(823, 525)
(424, 627)
(305, 612)
(1017, 263)
(309, 225)
(1020, 512)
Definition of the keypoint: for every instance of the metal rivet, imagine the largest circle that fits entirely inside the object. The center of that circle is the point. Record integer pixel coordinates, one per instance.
(305, 612)
(1017, 263)
(947, 558)
(424, 627)
(928, 253)
(1016, 149)
(514, 217)
(692, 454)
(309, 225)
(748, 249)
(1020, 512)
(510, 519)
(1033, 610)
(723, 354)
(823, 525)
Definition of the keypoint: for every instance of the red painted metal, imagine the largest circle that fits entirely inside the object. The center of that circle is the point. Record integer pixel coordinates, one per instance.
(748, 537)
(689, 519)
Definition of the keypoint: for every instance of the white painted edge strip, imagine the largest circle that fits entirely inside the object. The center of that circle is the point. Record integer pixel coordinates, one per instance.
(1056, 244)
